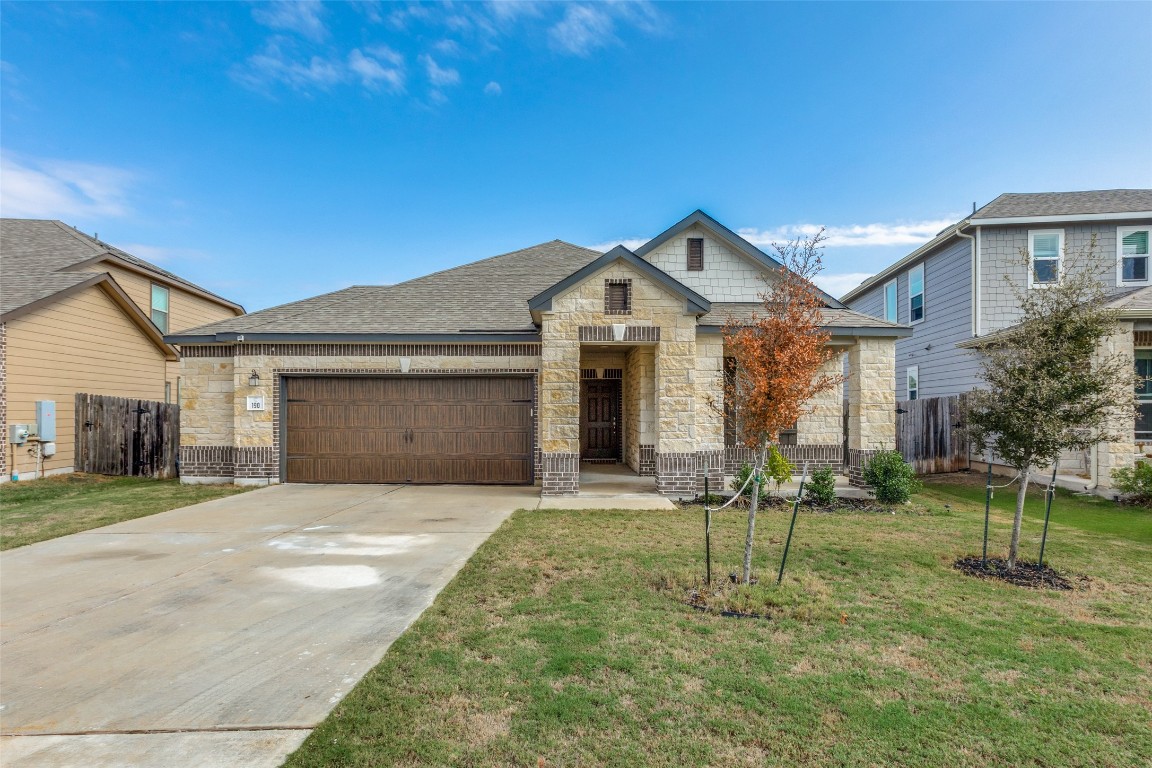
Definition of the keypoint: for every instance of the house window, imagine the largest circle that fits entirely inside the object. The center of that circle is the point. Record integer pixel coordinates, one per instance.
(1144, 396)
(1132, 244)
(160, 307)
(890, 307)
(1045, 248)
(913, 382)
(695, 254)
(617, 297)
(916, 294)
(167, 391)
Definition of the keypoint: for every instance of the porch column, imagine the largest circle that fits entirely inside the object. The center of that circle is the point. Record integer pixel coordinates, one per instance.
(559, 399)
(676, 411)
(709, 412)
(871, 402)
(820, 433)
(1121, 453)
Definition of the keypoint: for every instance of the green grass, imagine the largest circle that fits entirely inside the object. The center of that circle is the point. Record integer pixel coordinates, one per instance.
(36, 510)
(556, 645)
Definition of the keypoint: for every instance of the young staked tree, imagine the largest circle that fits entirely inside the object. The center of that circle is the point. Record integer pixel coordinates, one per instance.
(778, 354)
(1049, 385)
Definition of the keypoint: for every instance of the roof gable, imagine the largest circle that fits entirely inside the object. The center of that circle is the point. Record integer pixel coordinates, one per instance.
(736, 243)
(694, 303)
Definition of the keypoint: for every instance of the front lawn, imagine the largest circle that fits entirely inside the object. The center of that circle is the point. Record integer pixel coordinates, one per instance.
(35, 510)
(561, 644)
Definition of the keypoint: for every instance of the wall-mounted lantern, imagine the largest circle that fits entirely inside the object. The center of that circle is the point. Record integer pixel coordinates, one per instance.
(254, 379)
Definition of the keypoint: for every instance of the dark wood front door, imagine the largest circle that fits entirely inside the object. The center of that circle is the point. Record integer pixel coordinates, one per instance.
(408, 430)
(600, 420)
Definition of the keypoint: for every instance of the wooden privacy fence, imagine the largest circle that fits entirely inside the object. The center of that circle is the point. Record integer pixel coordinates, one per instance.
(927, 435)
(123, 436)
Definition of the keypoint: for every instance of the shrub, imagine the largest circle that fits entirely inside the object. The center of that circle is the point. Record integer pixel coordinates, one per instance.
(779, 470)
(891, 477)
(738, 483)
(1135, 482)
(821, 488)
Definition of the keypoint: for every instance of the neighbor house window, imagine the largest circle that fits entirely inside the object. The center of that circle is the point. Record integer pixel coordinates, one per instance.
(913, 382)
(916, 294)
(695, 254)
(890, 308)
(160, 307)
(1132, 244)
(617, 297)
(1144, 396)
(1045, 248)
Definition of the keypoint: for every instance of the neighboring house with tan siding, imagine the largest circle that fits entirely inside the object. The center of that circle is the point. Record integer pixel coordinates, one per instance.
(78, 315)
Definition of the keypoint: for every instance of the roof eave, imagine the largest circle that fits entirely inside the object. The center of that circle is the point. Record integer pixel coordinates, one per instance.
(156, 276)
(233, 337)
(836, 330)
(885, 274)
(1050, 219)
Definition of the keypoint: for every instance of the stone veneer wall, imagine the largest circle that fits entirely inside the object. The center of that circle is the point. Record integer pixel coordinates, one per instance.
(1121, 453)
(221, 439)
(824, 424)
(4, 401)
(871, 401)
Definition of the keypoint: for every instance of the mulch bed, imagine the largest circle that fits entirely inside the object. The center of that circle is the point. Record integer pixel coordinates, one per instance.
(1025, 574)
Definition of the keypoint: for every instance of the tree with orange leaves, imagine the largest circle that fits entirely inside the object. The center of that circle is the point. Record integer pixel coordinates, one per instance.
(779, 354)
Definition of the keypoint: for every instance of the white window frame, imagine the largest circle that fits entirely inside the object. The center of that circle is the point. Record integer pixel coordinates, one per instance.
(167, 311)
(912, 372)
(1032, 233)
(892, 314)
(923, 291)
(1120, 233)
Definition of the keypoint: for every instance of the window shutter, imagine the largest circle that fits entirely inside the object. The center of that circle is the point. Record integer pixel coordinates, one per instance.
(695, 254)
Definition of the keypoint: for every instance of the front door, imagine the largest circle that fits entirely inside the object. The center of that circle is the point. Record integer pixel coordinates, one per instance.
(600, 420)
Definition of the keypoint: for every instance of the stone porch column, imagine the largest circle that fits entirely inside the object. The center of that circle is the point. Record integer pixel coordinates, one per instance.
(709, 412)
(871, 402)
(820, 433)
(559, 408)
(1121, 453)
(676, 411)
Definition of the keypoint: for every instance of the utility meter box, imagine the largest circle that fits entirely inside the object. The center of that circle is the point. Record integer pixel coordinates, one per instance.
(18, 434)
(46, 419)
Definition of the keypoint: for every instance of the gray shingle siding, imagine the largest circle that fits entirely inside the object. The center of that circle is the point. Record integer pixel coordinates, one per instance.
(944, 370)
(1000, 255)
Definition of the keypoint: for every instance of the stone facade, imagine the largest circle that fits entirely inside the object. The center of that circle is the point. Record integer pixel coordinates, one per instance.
(1121, 453)
(726, 275)
(4, 400)
(871, 401)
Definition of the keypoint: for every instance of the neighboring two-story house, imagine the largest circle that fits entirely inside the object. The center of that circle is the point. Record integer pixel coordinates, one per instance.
(517, 369)
(78, 315)
(952, 291)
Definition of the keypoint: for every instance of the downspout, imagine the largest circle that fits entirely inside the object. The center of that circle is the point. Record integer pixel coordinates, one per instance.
(975, 275)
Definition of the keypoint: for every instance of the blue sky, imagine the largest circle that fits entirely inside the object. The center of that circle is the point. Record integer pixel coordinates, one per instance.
(272, 151)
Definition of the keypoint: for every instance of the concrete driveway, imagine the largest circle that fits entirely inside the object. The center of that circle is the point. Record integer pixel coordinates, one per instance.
(220, 634)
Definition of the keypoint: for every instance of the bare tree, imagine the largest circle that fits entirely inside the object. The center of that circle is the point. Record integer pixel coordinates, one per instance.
(1049, 386)
(778, 356)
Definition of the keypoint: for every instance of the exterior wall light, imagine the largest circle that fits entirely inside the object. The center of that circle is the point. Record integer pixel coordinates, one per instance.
(254, 379)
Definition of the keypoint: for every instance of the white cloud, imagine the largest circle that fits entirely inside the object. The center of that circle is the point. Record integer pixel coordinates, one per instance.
(838, 284)
(299, 16)
(274, 65)
(55, 189)
(493, 89)
(631, 243)
(903, 233)
(583, 29)
(437, 75)
(373, 74)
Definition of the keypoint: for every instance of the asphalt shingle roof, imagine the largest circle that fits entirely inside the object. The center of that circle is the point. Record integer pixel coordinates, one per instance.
(1024, 205)
(485, 296)
(34, 251)
(833, 318)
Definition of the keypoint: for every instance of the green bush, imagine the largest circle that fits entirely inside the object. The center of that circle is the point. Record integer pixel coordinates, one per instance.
(779, 469)
(741, 476)
(1135, 482)
(891, 477)
(821, 488)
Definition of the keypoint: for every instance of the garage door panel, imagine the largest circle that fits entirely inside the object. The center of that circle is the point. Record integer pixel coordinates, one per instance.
(409, 429)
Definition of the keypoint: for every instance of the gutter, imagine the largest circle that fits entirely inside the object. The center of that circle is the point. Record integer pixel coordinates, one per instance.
(975, 275)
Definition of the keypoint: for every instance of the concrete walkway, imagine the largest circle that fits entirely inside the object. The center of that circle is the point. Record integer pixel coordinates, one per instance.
(220, 634)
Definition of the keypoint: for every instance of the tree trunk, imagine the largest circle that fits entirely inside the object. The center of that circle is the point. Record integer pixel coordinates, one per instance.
(758, 473)
(1014, 546)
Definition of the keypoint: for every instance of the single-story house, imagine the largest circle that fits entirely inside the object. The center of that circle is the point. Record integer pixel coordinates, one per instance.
(79, 315)
(515, 369)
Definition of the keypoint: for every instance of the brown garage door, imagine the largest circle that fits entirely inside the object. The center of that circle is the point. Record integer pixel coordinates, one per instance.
(408, 430)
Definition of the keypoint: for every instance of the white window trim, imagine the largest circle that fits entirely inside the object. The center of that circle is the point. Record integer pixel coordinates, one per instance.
(1120, 233)
(896, 303)
(923, 292)
(911, 371)
(1059, 257)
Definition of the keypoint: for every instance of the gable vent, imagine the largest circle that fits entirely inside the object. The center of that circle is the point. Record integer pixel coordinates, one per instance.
(695, 254)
